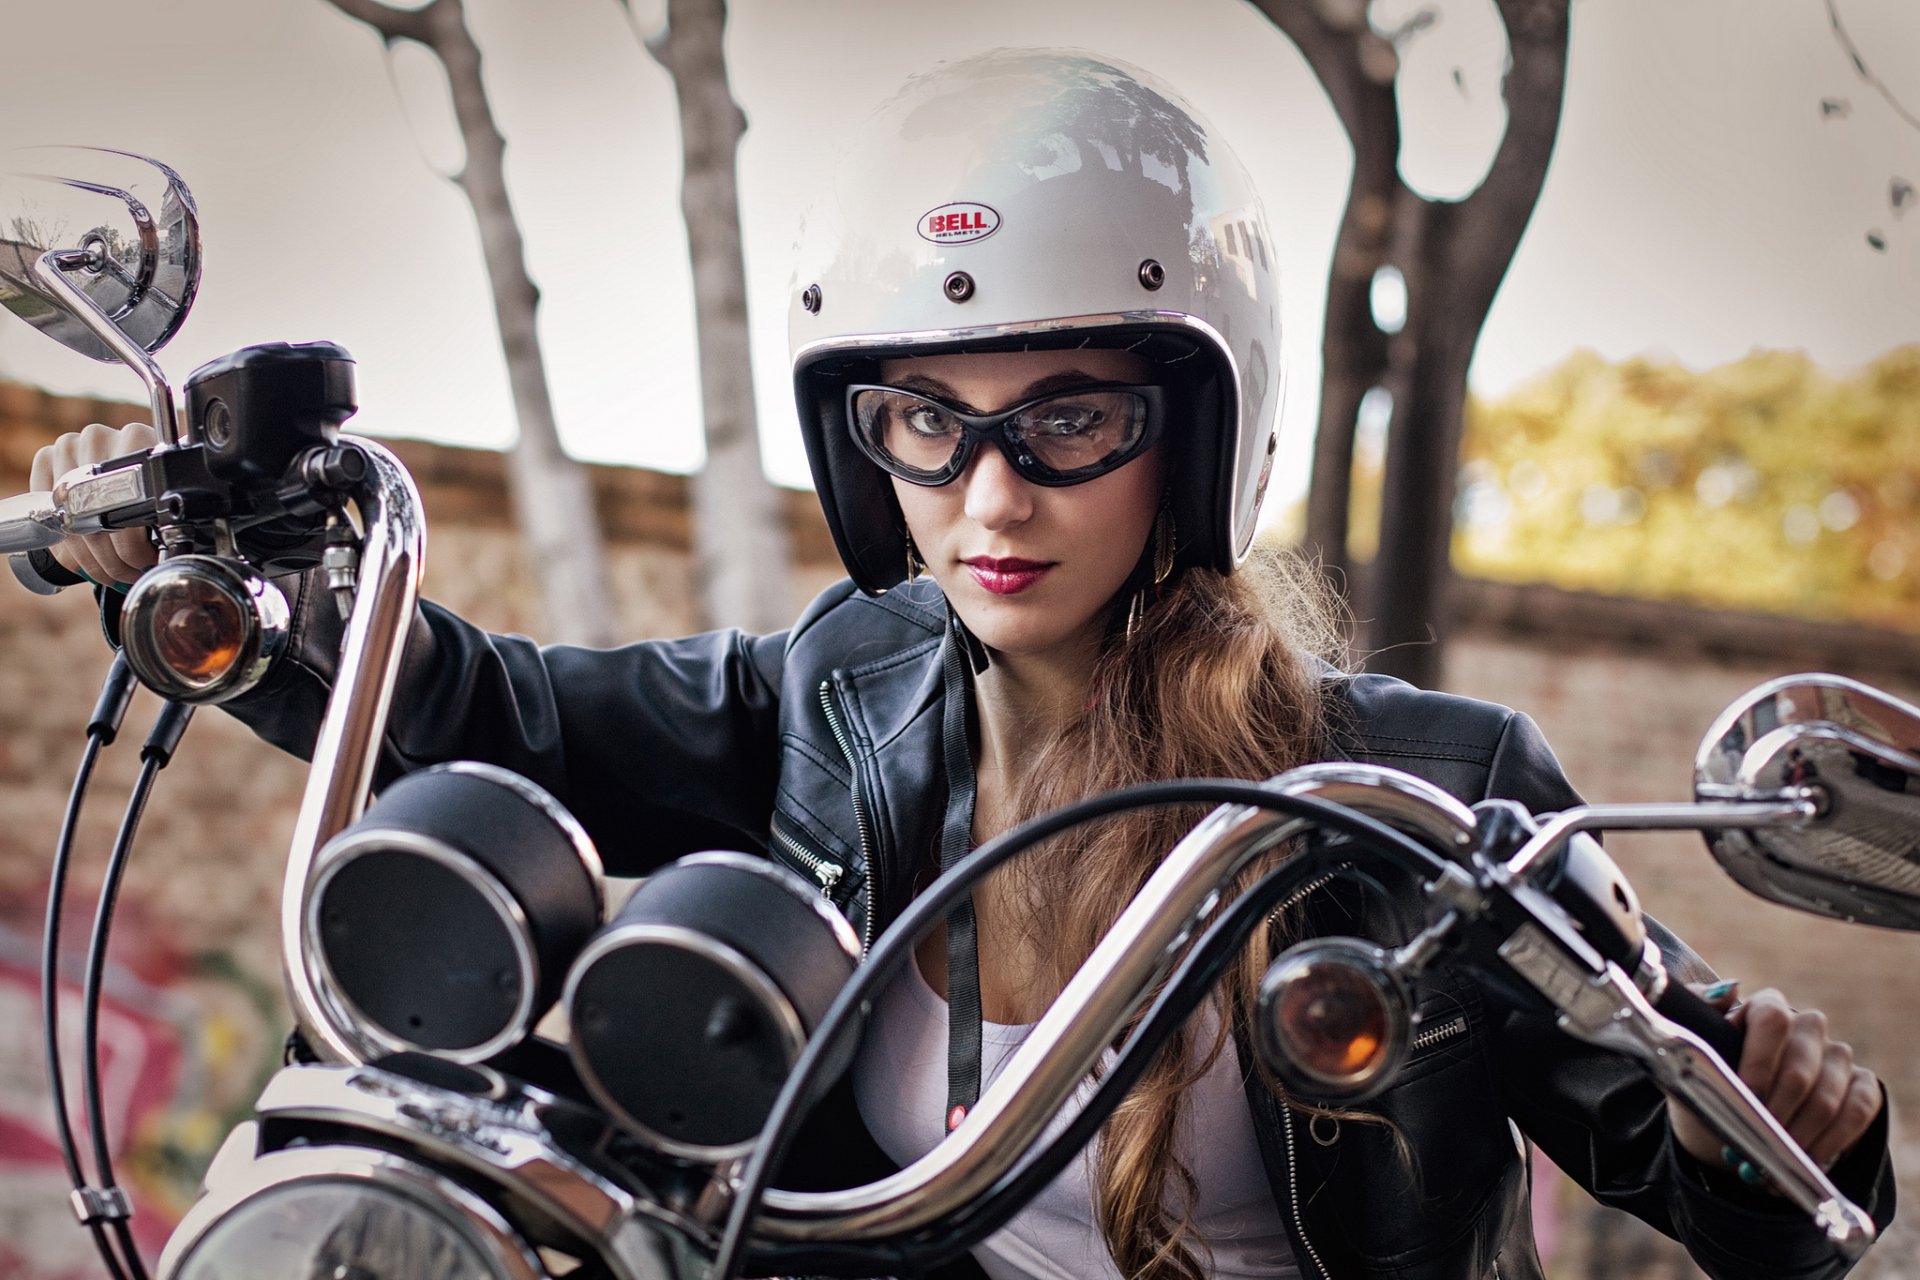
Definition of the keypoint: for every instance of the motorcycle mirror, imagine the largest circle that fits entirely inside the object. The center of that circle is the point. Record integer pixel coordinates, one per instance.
(130, 232)
(1858, 751)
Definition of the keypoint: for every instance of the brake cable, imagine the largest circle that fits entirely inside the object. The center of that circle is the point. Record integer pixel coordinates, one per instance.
(155, 754)
(842, 1018)
(1183, 990)
(91, 1205)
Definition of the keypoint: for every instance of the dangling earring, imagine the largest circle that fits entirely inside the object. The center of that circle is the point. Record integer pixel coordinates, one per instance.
(1164, 544)
(914, 565)
(1160, 556)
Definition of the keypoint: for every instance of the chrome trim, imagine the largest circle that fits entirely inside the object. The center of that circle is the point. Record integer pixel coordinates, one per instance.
(1049, 1066)
(392, 549)
(540, 798)
(852, 343)
(1789, 811)
(1599, 1003)
(30, 521)
(478, 1222)
(1400, 800)
(265, 622)
(349, 1016)
(788, 880)
(48, 272)
(855, 343)
(749, 974)
(513, 1143)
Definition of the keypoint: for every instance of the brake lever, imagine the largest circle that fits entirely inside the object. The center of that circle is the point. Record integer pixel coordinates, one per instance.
(1603, 1007)
(106, 495)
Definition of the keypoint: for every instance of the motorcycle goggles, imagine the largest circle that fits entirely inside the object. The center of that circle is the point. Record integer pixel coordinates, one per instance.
(1057, 439)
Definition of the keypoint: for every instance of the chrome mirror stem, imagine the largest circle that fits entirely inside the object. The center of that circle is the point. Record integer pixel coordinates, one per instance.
(1794, 809)
(49, 271)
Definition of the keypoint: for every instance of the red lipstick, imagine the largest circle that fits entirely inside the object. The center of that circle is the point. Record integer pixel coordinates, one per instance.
(1006, 576)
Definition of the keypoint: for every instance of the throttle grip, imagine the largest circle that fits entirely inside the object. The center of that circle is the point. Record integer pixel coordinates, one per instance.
(1683, 1005)
(40, 573)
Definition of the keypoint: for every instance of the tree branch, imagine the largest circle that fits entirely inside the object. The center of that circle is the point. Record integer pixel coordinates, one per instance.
(1480, 234)
(1353, 63)
(392, 24)
(552, 501)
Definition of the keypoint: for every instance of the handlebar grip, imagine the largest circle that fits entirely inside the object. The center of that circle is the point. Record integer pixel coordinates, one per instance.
(40, 573)
(1680, 1003)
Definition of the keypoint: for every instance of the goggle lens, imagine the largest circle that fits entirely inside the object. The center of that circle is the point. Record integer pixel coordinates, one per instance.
(1060, 439)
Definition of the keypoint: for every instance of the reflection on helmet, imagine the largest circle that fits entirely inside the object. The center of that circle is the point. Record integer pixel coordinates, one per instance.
(1076, 201)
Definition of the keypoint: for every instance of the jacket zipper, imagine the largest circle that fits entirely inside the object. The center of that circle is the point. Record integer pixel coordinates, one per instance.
(1286, 1113)
(859, 818)
(1293, 1194)
(1436, 1035)
(825, 873)
(1306, 890)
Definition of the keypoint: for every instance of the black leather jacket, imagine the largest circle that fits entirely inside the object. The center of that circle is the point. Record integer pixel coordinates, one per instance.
(821, 746)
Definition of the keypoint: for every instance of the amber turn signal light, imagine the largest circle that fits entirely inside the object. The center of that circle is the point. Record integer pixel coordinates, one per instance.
(202, 629)
(1333, 1019)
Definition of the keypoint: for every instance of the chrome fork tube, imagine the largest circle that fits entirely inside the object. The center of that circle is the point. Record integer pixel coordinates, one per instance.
(1043, 1074)
(393, 546)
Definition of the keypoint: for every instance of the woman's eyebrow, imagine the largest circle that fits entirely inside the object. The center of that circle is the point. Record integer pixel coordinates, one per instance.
(1065, 380)
(1062, 381)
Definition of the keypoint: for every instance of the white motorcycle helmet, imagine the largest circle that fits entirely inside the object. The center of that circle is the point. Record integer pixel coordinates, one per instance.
(1040, 198)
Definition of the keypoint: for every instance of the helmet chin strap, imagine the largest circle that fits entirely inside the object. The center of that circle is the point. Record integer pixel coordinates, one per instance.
(976, 653)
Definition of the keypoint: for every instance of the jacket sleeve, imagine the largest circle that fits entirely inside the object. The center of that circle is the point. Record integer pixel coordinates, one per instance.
(1605, 1123)
(659, 747)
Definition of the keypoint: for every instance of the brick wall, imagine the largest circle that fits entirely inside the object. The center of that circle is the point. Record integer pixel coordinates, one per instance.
(1623, 691)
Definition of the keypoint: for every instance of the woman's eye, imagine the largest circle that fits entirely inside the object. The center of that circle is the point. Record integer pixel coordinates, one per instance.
(1066, 420)
(927, 420)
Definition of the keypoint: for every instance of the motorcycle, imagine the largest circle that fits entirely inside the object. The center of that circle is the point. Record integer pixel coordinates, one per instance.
(426, 1127)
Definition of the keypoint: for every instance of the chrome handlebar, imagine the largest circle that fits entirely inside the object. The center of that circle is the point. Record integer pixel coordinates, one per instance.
(1597, 1000)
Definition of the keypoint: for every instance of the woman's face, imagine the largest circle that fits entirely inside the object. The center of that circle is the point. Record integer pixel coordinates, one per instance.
(1030, 569)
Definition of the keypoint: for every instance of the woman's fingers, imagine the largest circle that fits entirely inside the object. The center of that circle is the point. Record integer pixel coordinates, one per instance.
(123, 554)
(1859, 1105)
(1785, 1052)
(1805, 1077)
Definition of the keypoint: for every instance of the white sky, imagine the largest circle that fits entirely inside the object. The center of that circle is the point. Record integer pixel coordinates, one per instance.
(1699, 205)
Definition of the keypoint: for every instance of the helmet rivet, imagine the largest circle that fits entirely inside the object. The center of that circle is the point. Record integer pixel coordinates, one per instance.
(1152, 274)
(810, 299)
(959, 286)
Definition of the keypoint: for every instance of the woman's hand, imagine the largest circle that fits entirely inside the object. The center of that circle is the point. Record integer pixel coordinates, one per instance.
(123, 554)
(1805, 1077)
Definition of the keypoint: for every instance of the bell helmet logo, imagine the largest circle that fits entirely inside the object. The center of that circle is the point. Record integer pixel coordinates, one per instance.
(958, 223)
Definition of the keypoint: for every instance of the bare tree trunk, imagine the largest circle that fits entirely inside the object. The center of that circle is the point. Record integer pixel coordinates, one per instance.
(1356, 68)
(553, 501)
(1453, 256)
(740, 535)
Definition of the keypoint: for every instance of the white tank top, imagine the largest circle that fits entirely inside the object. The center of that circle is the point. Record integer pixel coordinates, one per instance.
(900, 1081)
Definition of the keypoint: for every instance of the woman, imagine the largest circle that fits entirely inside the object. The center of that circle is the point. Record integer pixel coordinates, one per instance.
(1035, 350)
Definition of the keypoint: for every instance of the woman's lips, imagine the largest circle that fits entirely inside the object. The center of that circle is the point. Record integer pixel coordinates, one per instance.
(1006, 577)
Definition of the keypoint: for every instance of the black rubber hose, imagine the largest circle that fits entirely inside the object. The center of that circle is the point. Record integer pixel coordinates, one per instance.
(896, 947)
(1183, 991)
(111, 707)
(155, 754)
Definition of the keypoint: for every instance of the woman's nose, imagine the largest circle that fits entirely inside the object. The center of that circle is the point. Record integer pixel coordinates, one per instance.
(996, 495)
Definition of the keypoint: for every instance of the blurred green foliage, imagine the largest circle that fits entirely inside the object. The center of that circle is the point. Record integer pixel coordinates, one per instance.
(1765, 484)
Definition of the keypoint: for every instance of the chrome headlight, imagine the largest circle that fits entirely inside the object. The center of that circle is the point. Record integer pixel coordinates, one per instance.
(339, 1213)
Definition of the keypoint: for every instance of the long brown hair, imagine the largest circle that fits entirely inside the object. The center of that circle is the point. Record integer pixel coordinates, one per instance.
(1218, 679)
